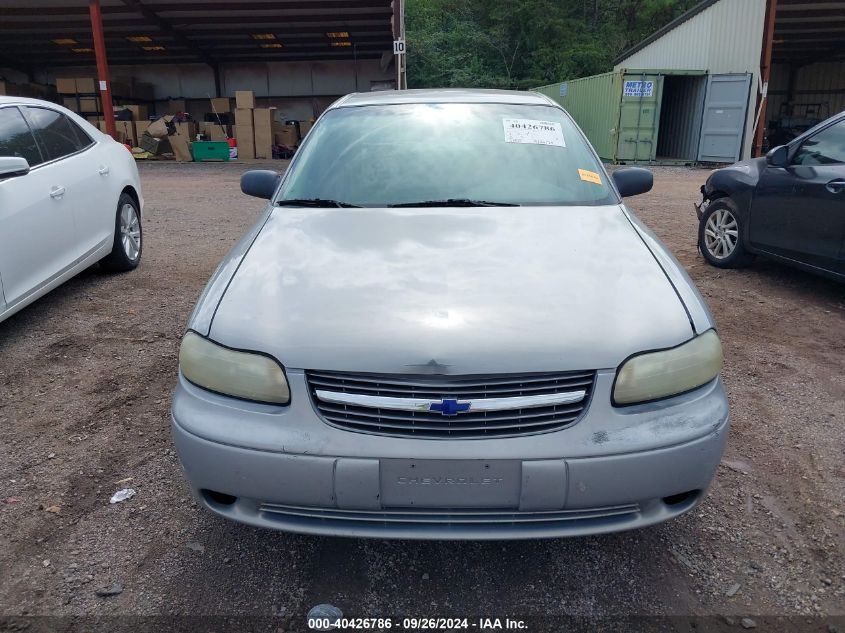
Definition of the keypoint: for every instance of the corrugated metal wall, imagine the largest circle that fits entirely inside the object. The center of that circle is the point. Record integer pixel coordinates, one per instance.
(817, 83)
(726, 37)
(680, 117)
(594, 104)
(278, 79)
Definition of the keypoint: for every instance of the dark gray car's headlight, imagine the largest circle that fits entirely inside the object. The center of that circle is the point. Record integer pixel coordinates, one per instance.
(231, 372)
(655, 375)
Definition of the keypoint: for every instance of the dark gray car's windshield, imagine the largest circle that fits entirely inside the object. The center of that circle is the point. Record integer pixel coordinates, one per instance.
(433, 153)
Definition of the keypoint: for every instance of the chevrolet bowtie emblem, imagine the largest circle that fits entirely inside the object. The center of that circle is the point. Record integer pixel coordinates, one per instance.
(449, 407)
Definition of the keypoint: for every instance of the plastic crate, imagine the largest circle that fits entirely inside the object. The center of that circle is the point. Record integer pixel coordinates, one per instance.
(210, 150)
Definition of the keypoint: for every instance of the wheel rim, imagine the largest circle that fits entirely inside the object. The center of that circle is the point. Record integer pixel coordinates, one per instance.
(721, 234)
(130, 231)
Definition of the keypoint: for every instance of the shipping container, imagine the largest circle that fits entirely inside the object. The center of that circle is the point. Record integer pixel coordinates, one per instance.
(659, 116)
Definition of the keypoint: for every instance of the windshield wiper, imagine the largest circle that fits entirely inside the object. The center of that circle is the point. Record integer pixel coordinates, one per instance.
(455, 202)
(315, 202)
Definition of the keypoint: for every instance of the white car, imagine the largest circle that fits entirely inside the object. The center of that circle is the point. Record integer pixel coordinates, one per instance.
(69, 197)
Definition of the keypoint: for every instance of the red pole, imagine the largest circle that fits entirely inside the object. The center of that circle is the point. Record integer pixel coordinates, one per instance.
(765, 74)
(102, 65)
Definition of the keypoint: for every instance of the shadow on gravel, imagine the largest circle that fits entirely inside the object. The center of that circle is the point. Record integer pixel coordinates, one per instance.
(252, 571)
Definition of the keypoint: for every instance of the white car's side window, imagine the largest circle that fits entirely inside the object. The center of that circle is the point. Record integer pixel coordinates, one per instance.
(57, 135)
(16, 138)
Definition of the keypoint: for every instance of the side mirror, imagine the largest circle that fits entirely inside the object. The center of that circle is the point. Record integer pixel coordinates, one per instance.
(12, 167)
(261, 183)
(632, 181)
(778, 157)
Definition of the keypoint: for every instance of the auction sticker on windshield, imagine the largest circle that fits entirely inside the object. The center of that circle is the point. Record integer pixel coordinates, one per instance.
(533, 132)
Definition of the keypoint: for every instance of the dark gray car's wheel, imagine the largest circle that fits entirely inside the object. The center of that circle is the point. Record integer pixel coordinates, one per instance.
(127, 247)
(720, 236)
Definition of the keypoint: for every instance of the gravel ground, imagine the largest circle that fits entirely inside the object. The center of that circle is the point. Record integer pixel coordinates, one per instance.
(85, 382)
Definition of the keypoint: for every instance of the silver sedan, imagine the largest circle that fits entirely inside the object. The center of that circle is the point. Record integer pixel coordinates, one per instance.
(446, 324)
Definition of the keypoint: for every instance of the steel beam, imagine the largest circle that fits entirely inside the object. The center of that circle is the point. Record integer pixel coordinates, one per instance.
(102, 65)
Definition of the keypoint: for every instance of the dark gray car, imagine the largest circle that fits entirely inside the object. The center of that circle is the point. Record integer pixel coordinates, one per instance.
(446, 324)
(788, 206)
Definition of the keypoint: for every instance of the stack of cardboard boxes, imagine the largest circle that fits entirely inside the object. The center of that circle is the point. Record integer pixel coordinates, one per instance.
(80, 95)
(253, 127)
(217, 130)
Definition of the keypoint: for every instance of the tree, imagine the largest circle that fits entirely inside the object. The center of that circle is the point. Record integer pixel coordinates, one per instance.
(524, 43)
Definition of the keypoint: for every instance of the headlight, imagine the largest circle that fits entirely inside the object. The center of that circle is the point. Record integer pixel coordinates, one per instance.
(240, 374)
(655, 375)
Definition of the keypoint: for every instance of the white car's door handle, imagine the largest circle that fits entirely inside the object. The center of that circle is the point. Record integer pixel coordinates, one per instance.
(103, 170)
(57, 192)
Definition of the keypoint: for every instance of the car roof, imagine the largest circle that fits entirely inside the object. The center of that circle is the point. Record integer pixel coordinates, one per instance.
(444, 95)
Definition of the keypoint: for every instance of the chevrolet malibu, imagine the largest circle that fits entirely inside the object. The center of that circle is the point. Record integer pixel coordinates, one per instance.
(69, 198)
(446, 324)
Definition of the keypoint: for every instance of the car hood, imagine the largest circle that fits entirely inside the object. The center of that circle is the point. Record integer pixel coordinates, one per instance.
(461, 291)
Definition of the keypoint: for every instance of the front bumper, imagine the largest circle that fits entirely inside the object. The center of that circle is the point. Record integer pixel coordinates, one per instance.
(285, 468)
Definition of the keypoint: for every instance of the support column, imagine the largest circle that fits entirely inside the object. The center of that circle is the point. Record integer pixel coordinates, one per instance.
(765, 75)
(102, 65)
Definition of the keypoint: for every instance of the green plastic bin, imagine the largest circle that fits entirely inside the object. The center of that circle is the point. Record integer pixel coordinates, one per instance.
(210, 150)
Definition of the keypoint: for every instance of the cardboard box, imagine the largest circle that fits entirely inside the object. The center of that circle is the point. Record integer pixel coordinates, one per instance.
(243, 117)
(65, 85)
(244, 99)
(86, 85)
(181, 145)
(89, 104)
(139, 112)
(286, 135)
(141, 127)
(158, 128)
(214, 132)
(304, 127)
(246, 141)
(70, 103)
(126, 130)
(263, 128)
(187, 129)
(119, 136)
(221, 105)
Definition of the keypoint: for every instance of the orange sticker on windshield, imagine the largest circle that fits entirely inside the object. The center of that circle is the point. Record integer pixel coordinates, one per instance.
(589, 176)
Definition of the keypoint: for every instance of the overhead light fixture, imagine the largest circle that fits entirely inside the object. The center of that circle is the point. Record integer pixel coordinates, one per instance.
(64, 41)
(345, 43)
(137, 39)
(337, 35)
(263, 36)
(154, 48)
(82, 50)
(273, 45)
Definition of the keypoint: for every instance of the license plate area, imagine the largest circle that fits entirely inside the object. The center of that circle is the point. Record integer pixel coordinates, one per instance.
(449, 483)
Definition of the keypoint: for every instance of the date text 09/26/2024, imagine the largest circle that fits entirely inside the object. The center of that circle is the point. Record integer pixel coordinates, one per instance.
(417, 624)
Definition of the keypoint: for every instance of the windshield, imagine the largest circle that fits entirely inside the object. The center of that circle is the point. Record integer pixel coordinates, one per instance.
(385, 155)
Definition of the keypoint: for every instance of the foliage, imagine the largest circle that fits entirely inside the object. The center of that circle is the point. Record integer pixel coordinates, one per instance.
(524, 43)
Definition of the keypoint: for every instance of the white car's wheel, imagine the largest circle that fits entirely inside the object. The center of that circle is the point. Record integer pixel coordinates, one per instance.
(128, 237)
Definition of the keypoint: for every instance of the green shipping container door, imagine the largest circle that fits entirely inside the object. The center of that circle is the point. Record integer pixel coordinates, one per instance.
(619, 112)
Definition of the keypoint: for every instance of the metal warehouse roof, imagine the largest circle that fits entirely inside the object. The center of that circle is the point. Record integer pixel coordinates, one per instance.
(805, 30)
(49, 33)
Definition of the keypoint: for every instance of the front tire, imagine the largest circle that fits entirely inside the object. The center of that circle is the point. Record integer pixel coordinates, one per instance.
(720, 236)
(128, 237)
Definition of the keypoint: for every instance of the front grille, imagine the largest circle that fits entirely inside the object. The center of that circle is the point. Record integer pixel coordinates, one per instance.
(472, 424)
(447, 516)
